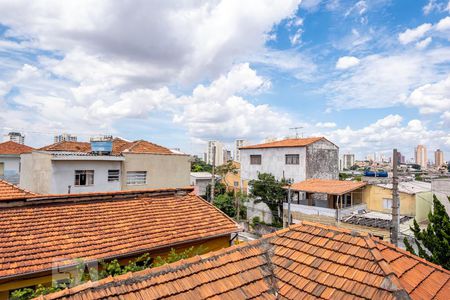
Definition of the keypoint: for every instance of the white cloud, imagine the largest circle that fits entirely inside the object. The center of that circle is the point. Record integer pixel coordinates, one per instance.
(411, 35)
(346, 62)
(326, 125)
(423, 43)
(443, 24)
(432, 97)
(388, 133)
(386, 80)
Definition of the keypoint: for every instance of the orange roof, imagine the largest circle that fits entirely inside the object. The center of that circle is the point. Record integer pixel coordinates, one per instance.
(36, 233)
(9, 191)
(14, 148)
(119, 146)
(327, 186)
(285, 143)
(305, 261)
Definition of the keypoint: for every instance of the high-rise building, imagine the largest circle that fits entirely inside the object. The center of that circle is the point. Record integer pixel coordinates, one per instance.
(439, 158)
(237, 153)
(226, 155)
(400, 158)
(15, 137)
(65, 137)
(348, 160)
(421, 156)
(214, 152)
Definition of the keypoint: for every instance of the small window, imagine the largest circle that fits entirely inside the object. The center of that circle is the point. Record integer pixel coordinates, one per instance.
(255, 159)
(84, 177)
(236, 183)
(136, 177)
(292, 159)
(113, 175)
(387, 203)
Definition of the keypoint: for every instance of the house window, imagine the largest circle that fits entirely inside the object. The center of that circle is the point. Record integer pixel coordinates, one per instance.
(84, 177)
(255, 159)
(113, 175)
(387, 203)
(236, 184)
(136, 177)
(292, 159)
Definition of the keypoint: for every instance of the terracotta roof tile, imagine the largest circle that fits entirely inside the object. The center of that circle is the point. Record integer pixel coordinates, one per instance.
(286, 143)
(35, 234)
(119, 146)
(273, 267)
(9, 191)
(13, 148)
(327, 186)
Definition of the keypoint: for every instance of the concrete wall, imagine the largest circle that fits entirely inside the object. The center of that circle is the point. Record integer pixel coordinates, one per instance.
(260, 210)
(373, 196)
(200, 185)
(11, 168)
(441, 188)
(63, 175)
(163, 171)
(36, 172)
(273, 162)
(322, 160)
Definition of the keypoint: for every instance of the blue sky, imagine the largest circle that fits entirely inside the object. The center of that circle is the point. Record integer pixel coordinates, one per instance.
(368, 75)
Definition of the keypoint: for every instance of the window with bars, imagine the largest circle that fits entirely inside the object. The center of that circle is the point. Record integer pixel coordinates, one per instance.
(84, 177)
(136, 177)
(292, 159)
(113, 175)
(255, 159)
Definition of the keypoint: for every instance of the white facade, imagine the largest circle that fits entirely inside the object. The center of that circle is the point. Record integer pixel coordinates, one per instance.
(10, 168)
(273, 162)
(218, 158)
(317, 160)
(65, 137)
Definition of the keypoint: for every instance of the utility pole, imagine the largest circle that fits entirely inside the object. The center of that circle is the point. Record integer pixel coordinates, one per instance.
(213, 178)
(395, 202)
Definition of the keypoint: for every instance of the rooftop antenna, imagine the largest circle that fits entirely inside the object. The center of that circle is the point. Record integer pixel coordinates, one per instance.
(296, 131)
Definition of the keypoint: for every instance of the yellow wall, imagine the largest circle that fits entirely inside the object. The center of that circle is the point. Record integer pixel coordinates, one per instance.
(46, 278)
(410, 204)
(231, 178)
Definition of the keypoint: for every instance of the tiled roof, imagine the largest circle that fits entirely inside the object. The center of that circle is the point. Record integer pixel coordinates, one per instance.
(119, 146)
(285, 143)
(43, 230)
(306, 261)
(327, 186)
(14, 148)
(9, 191)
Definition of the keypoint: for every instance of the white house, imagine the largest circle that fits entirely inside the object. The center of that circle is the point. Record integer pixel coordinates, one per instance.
(10, 160)
(72, 167)
(296, 159)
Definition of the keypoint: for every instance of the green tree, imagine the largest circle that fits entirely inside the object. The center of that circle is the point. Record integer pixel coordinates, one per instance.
(219, 189)
(174, 256)
(433, 243)
(226, 169)
(270, 191)
(198, 165)
(226, 203)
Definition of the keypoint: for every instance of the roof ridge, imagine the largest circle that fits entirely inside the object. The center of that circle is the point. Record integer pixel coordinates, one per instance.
(391, 282)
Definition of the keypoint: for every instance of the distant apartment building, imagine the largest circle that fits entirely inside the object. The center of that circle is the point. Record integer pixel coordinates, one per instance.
(10, 160)
(226, 155)
(296, 159)
(348, 160)
(15, 137)
(439, 158)
(102, 165)
(400, 158)
(214, 153)
(421, 157)
(237, 153)
(65, 137)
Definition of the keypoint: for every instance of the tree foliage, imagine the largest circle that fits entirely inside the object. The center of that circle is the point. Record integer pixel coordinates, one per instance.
(433, 243)
(270, 191)
(199, 165)
(111, 268)
(228, 203)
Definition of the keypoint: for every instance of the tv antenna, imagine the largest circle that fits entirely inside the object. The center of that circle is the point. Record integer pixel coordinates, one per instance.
(296, 131)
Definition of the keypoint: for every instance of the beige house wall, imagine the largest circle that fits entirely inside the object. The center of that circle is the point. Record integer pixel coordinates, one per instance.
(163, 171)
(36, 172)
(413, 205)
